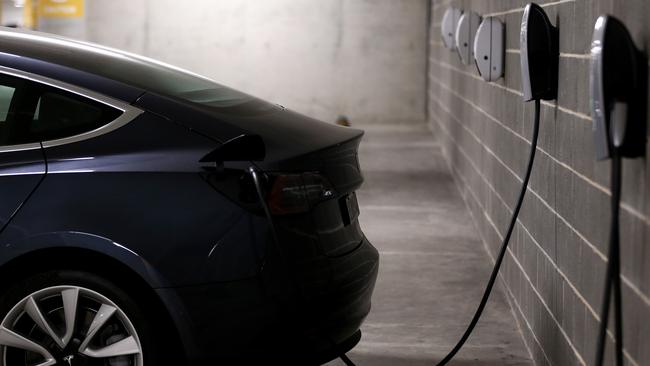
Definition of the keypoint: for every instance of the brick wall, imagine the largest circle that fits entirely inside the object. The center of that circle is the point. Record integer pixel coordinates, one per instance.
(555, 266)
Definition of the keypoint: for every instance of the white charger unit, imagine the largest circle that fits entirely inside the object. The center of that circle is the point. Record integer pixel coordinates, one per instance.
(489, 49)
(465, 33)
(448, 27)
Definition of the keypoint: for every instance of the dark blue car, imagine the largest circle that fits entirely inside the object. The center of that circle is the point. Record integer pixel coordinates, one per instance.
(151, 216)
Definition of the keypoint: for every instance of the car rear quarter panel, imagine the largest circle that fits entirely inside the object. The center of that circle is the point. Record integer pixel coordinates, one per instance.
(141, 189)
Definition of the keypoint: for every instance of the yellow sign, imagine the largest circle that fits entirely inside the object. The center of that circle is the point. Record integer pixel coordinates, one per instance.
(29, 14)
(61, 8)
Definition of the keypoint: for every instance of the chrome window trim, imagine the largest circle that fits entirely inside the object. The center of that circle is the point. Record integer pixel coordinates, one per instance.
(23, 147)
(129, 112)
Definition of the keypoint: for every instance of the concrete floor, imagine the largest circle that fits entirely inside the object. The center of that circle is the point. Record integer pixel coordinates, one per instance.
(433, 264)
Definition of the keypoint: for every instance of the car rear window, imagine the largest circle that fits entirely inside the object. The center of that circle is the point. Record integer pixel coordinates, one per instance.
(170, 81)
(131, 69)
(33, 112)
(59, 115)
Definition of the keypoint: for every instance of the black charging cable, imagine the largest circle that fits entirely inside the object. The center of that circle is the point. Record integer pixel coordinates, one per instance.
(346, 360)
(613, 276)
(504, 244)
(252, 171)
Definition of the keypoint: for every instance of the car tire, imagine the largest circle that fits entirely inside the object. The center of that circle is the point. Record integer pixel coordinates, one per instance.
(37, 324)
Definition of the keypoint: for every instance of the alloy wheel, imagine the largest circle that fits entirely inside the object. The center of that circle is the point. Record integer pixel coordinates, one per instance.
(70, 326)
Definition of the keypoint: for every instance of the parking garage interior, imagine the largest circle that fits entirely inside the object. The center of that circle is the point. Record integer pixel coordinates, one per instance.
(443, 156)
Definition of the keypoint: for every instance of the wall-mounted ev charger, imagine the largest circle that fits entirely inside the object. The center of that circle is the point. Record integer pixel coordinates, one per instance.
(489, 49)
(541, 80)
(465, 33)
(539, 47)
(618, 83)
(618, 91)
(448, 27)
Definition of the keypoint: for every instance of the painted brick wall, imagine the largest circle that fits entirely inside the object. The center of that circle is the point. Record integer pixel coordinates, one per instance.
(555, 267)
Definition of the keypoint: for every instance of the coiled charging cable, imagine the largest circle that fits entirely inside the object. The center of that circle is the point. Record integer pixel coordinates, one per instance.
(504, 244)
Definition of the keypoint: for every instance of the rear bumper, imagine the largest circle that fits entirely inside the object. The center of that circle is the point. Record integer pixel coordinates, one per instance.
(274, 315)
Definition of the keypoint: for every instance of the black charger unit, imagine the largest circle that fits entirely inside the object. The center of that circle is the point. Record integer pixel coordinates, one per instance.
(539, 43)
(618, 107)
(618, 82)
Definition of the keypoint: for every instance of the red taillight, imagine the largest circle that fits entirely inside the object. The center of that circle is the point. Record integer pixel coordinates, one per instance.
(297, 193)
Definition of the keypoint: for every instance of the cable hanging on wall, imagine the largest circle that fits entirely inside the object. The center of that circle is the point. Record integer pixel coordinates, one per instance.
(539, 63)
(618, 84)
(618, 94)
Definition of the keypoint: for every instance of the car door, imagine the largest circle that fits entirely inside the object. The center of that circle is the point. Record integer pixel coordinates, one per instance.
(22, 164)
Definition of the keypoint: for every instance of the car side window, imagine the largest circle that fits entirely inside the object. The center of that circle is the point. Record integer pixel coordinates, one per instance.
(6, 95)
(59, 115)
(32, 112)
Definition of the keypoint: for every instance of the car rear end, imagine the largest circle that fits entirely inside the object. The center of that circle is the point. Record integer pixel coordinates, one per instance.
(315, 212)
(318, 270)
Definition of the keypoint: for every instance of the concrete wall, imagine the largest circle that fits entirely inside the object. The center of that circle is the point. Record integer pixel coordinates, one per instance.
(11, 15)
(362, 58)
(555, 267)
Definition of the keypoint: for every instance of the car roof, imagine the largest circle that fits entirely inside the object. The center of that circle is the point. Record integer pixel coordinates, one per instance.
(59, 58)
(56, 49)
(126, 68)
(121, 66)
(88, 57)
